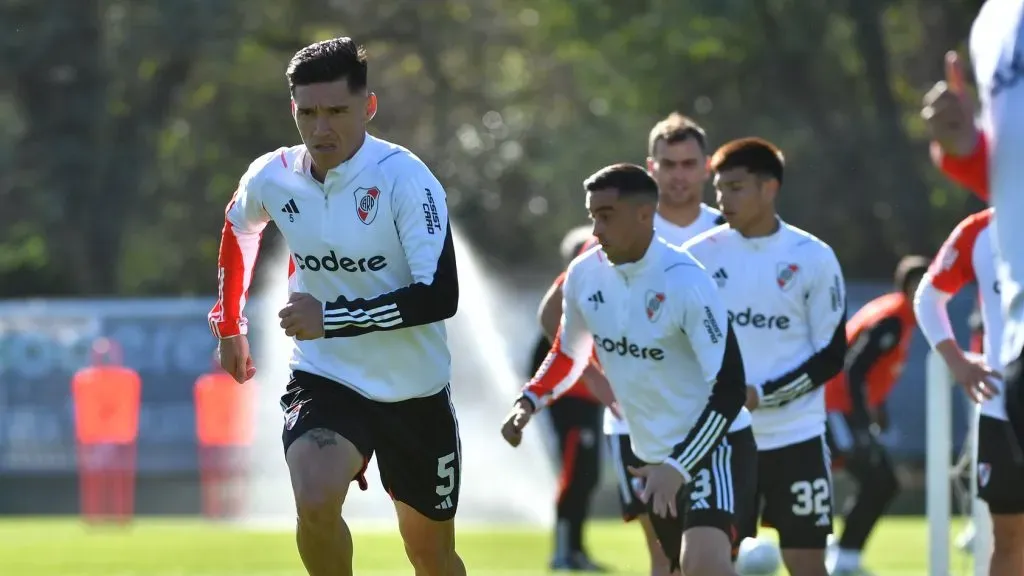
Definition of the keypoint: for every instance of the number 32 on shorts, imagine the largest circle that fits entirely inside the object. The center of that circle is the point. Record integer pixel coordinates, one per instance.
(446, 474)
(812, 497)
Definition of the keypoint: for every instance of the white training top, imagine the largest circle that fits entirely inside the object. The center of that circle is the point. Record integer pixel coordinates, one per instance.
(674, 235)
(661, 334)
(997, 54)
(373, 244)
(966, 256)
(787, 304)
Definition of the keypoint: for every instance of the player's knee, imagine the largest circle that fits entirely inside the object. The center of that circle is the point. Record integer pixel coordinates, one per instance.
(429, 543)
(1007, 534)
(706, 552)
(321, 464)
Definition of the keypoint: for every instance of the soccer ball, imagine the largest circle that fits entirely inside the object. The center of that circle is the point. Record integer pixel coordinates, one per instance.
(758, 557)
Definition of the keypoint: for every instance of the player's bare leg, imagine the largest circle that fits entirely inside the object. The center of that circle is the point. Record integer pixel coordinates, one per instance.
(659, 562)
(706, 551)
(805, 561)
(1008, 545)
(429, 544)
(322, 464)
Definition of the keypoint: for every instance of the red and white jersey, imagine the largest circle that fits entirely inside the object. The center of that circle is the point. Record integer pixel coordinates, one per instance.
(967, 256)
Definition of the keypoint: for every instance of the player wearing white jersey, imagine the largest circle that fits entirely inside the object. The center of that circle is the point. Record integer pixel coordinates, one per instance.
(968, 256)
(987, 159)
(787, 303)
(662, 337)
(372, 279)
(677, 160)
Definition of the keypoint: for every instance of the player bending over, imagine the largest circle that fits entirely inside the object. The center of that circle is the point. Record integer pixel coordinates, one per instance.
(663, 339)
(785, 294)
(879, 337)
(677, 159)
(988, 162)
(968, 256)
(576, 418)
(374, 278)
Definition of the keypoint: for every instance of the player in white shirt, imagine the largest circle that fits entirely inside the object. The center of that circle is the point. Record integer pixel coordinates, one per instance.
(663, 340)
(967, 257)
(787, 303)
(372, 279)
(987, 159)
(677, 159)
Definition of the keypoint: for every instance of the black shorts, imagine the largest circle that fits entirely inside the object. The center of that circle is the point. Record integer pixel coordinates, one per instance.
(1000, 475)
(721, 492)
(629, 487)
(794, 495)
(419, 453)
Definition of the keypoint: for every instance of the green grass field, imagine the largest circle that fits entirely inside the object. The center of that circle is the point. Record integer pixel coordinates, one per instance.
(66, 547)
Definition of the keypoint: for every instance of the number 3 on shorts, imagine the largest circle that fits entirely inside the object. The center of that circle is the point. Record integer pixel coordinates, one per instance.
(446, 473)
(812, 497)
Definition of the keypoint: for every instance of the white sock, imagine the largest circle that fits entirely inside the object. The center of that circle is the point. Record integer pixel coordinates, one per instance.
(847, 559)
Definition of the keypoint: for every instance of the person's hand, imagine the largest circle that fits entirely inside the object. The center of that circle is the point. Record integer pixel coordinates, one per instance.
(662, 483)
(867, 450)
(974, 376)
(302, 317)
(949, 111)
(517, 419)
(233, 355)
(753, 398)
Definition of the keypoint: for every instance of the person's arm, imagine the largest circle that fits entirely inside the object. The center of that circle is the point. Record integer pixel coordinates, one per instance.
(950, 271)
(873, 343)
(569, 353)
(970, 171)
(244, 221)
(702, 316)
(550, 311)
(421, 219)
(825, 302)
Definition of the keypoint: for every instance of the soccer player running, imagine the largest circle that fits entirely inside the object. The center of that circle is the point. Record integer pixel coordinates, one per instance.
(968, 256)
(988, 162)
(787, 303)
(374, 279)
(576, 418)
(879, 337)
(662, 336)
(677, 159)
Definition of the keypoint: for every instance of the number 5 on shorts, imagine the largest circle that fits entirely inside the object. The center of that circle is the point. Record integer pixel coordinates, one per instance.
(812, 497)
(446, 473)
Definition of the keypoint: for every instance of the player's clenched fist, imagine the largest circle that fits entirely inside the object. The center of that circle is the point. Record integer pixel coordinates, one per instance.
(302, 317)
(234, 357)
(517, 419)
(949, 111)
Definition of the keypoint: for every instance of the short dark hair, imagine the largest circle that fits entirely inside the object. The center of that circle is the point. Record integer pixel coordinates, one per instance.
(759, 156)
(631, 181)
(910, 269)
(676, 128)
(328, 61)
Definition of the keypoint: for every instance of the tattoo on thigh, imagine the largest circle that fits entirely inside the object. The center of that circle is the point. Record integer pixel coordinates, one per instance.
(323, 437)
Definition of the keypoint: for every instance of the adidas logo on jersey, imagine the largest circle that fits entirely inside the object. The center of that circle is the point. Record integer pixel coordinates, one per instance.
(291, 209)
(720, 277)
(596, 298)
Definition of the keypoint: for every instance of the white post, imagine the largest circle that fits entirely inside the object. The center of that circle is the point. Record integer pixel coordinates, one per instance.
(982, 545)
(937, 462)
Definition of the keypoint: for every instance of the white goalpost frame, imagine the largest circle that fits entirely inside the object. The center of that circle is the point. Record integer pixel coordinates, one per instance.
(938, 463)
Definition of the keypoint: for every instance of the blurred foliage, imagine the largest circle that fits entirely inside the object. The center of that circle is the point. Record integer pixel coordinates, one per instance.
(124, 125)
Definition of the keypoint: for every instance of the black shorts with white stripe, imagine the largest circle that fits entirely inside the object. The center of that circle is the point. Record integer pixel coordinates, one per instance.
(416, 441)
(629, 486)
(722, 491)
